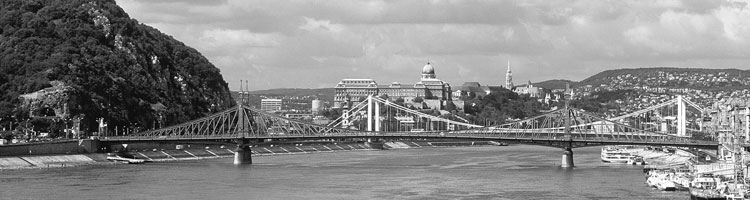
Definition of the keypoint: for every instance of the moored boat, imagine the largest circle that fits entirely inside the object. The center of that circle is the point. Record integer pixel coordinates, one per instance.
(126, 160)
(666, 185)
(636, 160)
(661, 181)
(612, 154)
(682, 181)
(705, 188)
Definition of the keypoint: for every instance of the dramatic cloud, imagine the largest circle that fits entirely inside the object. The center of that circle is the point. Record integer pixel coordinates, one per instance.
(277, 44)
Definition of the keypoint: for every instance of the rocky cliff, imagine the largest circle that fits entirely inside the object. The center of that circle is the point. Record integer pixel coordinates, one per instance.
(87, 59)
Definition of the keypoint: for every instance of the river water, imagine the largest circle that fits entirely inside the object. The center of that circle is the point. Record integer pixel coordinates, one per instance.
(488, 172)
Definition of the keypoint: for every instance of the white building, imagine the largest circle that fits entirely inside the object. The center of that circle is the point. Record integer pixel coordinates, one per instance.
(270, 105)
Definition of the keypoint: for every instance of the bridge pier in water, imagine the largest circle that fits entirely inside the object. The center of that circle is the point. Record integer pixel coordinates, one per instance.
(243, 154)
(567, 157)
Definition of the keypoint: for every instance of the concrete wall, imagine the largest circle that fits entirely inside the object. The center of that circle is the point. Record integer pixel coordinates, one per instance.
(140, 146)
(22, 162)
(63, 147)
(67, 147)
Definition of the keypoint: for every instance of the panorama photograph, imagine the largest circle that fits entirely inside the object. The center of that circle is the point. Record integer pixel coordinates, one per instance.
(375, 99)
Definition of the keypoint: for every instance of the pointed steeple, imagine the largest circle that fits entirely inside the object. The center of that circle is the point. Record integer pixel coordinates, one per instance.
(509, 78)
(508, 65)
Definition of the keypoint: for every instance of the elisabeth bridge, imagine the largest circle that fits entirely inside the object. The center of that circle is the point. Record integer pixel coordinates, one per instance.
(377, 119)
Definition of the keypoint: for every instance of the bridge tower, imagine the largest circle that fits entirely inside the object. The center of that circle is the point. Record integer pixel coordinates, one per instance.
(373, 116)
(567, 156)
(243, 154)
(681, 120)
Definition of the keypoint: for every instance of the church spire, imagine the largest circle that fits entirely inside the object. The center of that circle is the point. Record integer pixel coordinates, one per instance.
(509, 78)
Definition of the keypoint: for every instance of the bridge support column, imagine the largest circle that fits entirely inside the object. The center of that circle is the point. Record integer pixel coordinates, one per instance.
(369, 113)
(567, 157)
(243, 155)
(681, 121)
(376, 144)
(376, 117)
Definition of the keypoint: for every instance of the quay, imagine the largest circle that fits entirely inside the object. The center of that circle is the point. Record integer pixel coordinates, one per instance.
(196, 152)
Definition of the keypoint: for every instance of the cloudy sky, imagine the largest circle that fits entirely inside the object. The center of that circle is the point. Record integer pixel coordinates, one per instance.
(314, 44)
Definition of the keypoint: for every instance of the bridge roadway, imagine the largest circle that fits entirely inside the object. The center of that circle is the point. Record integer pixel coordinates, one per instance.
(555, 139)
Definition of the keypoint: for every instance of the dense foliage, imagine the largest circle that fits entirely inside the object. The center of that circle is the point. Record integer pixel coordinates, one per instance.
(128, 73)
(501, 105)
(602, 102)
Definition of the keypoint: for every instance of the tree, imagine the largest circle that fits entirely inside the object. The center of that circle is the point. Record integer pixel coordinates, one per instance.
(400, 101)
(417, 100)
(331, 113)
(450, 106)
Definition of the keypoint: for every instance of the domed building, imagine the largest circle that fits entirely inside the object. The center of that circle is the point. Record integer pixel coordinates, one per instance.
(428, 72)
(434, 91)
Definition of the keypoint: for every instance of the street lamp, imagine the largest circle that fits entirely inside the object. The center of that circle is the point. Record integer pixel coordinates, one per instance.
(26, 129)
(10, 124)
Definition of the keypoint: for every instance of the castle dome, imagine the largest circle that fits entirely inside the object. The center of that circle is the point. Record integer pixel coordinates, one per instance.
(428, 69)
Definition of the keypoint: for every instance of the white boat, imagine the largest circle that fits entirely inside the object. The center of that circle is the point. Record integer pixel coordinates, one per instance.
(636, 160)
(682, 181)
(614, 155)
(661, 182)
(705, 188)
(126, 160)
(733, 190)
(666, 185)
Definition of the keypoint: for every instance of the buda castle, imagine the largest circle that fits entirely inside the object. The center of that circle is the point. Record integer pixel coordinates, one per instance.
(431, 89)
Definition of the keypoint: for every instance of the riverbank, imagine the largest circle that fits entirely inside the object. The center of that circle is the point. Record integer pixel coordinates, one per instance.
(188, 153)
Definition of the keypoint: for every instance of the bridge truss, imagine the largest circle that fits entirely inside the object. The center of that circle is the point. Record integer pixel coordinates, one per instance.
(381, 115)
(679, 116)
(241, 122)
(381, 118)
(582, 128)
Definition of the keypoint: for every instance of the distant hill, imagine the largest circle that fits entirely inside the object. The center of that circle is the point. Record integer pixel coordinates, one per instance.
(696, 78)
(296, 92)
(692, 78)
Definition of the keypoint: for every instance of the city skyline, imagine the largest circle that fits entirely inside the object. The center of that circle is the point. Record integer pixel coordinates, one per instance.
(316, 44)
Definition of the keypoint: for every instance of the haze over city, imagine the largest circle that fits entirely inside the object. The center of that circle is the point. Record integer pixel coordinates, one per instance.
(314, 44)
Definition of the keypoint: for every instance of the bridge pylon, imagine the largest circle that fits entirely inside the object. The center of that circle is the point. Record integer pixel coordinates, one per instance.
(567, 156)
(681, 120)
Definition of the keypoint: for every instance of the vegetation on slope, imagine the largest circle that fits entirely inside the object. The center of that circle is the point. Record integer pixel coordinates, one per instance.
(128, 73)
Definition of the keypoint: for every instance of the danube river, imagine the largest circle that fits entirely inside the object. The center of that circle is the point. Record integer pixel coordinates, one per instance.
(488, 172)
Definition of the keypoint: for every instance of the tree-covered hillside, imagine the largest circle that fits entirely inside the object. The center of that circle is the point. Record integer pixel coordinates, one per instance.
(88, 59)
(693, 78)
(500, 105)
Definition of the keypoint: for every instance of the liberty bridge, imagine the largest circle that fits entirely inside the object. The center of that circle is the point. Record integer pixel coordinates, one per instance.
(565, 128)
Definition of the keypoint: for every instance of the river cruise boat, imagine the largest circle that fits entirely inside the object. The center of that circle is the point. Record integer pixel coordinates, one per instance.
(705, 188)
(661, 181)
(613, 154)
(636, 160)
